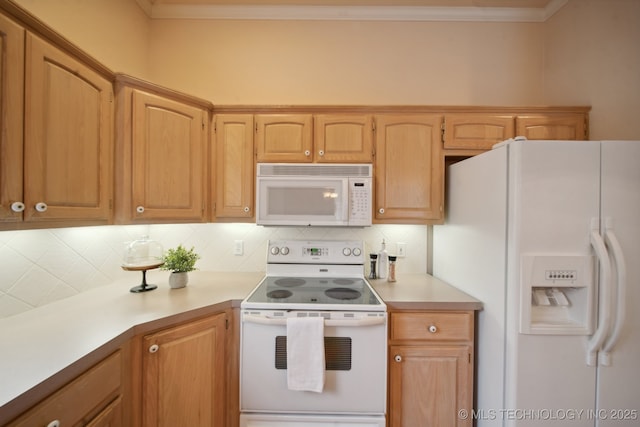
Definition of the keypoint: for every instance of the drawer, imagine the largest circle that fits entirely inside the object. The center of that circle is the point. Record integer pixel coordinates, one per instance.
(76, 401)
(432, 326)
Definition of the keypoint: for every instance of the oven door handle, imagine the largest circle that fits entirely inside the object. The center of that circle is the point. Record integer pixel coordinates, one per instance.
(263, 320)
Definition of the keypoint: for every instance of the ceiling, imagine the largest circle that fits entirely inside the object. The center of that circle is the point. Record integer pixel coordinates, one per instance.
(397, 10)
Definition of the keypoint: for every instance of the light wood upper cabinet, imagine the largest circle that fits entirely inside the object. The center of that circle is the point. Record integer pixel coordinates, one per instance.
(184, 375)
(431, 368)
(234, 162)
(473, 131)
(11, 119)
(162, 149)
(284, 138)
(68, 137)
(552, 126)
(61, 168)
(408, 168)
(343, 138)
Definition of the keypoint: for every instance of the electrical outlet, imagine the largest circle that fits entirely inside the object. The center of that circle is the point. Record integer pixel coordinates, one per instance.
(238, 247)
(401, 249)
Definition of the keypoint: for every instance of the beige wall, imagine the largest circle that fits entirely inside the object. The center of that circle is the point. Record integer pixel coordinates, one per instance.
(592, 57)
(116, 32)
(586, 54)
(322, 62)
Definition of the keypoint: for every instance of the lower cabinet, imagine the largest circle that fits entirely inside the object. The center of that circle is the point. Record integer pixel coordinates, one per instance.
(431, 358)
(93, 399)
(184, 375)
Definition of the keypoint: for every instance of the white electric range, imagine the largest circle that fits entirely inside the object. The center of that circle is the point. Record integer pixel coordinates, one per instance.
(322, 279)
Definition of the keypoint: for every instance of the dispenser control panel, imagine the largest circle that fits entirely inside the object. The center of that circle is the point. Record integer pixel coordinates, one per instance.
(557, 294)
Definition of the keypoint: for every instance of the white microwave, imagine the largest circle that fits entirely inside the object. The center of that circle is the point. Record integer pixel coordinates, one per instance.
(310, 194)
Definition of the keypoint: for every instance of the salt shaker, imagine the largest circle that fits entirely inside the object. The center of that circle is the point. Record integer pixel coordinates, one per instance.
(392, 269)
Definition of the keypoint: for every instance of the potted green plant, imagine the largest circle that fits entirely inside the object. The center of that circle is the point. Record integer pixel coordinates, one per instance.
(179, 261)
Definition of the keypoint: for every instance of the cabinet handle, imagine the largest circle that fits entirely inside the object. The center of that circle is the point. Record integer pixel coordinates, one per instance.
(17, 206)
(307, 153)
(154, 348)
(321, 152)
(54, 423)
(433, 329)
(246, 209)
(381, 211)
(140, 209)
(41, 207)
(398, 358)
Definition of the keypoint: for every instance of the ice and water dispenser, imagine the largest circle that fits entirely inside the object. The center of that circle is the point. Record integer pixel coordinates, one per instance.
(557, 294)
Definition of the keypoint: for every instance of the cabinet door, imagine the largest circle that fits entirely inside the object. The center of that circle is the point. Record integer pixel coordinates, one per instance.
(11, 113)
(234, 166)
(552, 126)
(169, 155)
(430, 385)
(342, 138)
(408, 168)
(284, 138)
(184, 375)
(68, 137)
(468, 131)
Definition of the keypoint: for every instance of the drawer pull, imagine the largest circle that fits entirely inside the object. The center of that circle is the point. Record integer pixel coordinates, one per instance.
(433, 329)
(140, 209)
(54, 423)
(154, 348)
(41, 207)
(398, 358)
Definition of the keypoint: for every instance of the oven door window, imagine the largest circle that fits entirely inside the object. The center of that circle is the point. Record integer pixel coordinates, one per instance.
(337, 353)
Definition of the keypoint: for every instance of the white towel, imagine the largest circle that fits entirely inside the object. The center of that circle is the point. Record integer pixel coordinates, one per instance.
(305, 354)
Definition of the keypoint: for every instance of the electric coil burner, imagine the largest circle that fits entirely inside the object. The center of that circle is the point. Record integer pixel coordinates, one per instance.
(320, 279)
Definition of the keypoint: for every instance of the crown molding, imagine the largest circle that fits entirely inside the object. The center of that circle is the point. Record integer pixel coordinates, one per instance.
(146, 6)
(351, 13)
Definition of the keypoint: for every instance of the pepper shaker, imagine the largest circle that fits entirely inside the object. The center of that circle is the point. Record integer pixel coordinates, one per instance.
(374, 260)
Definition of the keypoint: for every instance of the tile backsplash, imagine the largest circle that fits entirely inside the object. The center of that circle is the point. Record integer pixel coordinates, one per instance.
(42, 266)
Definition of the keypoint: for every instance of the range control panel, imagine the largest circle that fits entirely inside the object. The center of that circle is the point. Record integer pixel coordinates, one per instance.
(315, 252)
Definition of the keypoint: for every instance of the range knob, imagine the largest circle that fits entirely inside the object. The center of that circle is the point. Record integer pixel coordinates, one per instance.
(274, 250)
(356, 252)
(284, 250)
(346, 252)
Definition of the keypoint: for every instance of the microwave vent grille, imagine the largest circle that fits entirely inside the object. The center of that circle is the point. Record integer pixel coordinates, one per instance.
(303, 169)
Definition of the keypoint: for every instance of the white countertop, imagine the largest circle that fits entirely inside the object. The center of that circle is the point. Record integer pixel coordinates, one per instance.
(42, 342)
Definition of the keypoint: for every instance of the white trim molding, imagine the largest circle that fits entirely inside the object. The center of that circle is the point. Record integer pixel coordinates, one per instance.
(351, 13)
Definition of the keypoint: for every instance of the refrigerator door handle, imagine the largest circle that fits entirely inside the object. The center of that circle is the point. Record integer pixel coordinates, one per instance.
(604, 323)
(620, 305)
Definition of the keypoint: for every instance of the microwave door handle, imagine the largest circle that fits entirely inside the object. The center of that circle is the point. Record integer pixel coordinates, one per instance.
(346, 200)
(264, 320)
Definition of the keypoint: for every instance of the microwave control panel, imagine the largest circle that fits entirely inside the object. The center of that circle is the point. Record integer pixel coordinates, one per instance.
(359, 201)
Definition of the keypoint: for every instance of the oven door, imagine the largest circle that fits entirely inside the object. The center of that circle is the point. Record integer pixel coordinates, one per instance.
(355, 356)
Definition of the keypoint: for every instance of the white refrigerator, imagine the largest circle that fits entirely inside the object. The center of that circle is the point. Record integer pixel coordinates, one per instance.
(547, 235)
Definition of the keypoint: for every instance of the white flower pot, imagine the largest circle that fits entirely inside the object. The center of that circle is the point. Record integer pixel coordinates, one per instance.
(178, 280)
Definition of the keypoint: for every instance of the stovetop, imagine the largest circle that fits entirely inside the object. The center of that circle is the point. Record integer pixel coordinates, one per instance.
(314, 275)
